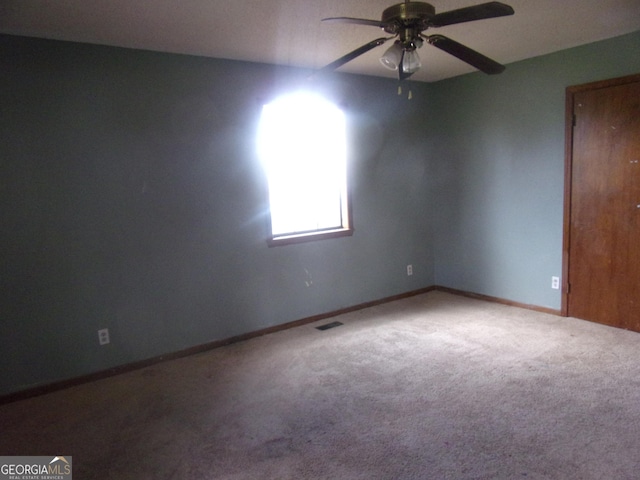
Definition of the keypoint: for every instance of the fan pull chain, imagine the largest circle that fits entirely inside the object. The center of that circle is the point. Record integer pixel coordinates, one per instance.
(409, 95)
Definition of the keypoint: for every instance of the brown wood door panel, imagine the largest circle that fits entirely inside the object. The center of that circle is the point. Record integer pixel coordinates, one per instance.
(604, 229)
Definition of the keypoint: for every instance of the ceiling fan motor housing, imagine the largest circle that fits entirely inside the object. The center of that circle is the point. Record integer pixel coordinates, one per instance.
(412, 14)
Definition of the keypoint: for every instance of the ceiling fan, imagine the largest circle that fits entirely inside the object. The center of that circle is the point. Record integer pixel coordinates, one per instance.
(406, 22)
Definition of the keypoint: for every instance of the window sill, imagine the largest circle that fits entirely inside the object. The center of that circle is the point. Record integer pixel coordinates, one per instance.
(309, 237)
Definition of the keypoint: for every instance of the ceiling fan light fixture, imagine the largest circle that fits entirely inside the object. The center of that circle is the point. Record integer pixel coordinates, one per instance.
(392, 57)
(411, 61)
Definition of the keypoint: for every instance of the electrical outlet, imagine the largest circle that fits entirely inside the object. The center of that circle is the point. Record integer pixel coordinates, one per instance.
(409, 270)
(555, 283)
(103, 336)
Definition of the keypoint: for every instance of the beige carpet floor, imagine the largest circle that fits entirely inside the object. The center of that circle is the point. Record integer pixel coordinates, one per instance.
(436, 386)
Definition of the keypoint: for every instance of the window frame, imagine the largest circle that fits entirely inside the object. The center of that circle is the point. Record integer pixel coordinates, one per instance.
(302, 237)
(346, 213)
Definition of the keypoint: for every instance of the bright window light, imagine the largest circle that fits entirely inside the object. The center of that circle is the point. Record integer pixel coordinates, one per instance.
(302, 144)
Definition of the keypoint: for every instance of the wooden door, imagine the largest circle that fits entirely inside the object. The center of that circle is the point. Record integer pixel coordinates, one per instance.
(604, 218)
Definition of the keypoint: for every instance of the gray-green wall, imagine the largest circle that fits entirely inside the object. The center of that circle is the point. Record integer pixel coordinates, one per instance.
(132, 198)
(501, 169)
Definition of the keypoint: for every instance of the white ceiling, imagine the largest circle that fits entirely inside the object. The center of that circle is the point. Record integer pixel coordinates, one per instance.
(289, 32)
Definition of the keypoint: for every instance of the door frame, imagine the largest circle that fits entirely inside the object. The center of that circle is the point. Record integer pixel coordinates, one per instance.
(571, 91)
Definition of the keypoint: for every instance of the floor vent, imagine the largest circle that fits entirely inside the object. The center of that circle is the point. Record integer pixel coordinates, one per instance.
(329, 325)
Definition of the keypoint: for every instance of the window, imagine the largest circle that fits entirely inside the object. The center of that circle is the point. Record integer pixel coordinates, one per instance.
(302, 145)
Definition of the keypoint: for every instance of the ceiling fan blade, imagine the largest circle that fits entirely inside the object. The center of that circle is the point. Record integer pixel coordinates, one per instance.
(464, 53)
(352, 55)
(357, 21)
(469, 14)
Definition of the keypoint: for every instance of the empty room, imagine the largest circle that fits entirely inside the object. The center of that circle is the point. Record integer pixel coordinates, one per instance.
(320, 239)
